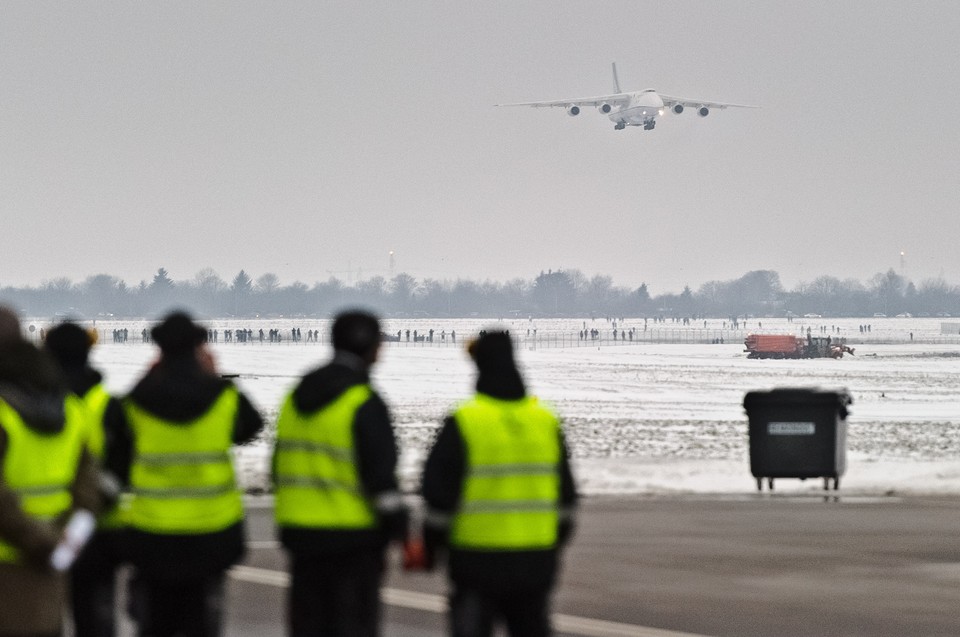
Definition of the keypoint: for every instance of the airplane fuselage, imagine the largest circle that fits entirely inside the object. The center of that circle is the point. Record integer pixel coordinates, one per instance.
(642, 110)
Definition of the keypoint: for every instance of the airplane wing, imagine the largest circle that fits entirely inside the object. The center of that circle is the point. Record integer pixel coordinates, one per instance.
(614, 100)
(669, 101)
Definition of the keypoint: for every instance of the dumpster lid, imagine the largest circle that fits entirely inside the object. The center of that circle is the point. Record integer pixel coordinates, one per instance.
(800, 396)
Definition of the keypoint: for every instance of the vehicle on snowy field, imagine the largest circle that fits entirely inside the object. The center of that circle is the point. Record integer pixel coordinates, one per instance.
(790, 346)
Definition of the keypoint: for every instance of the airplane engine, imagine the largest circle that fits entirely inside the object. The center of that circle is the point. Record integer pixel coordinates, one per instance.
(605, 108)
(573, 110)
(703, 111)
(677, 108)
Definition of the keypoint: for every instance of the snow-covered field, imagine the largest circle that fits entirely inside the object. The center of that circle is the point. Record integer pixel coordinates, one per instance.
(641, 418)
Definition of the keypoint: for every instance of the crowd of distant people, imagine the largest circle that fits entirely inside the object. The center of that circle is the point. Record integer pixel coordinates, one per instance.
(616, 330)
(292, 335)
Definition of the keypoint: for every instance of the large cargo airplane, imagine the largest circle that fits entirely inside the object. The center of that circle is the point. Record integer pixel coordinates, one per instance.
(639, 108)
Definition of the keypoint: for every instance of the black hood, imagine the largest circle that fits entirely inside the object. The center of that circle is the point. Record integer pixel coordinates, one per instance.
(80, 378)
(322, 386)
(498, 373)
(32, 384)
(177, 389)
(23, 365)
(41, 411)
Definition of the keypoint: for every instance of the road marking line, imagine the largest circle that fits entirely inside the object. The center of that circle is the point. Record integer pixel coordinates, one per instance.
(256, 575)
(414, 600)
(438, 604)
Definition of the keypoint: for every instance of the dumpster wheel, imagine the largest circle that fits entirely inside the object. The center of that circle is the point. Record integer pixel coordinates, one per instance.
(826, 483)
(760, 484)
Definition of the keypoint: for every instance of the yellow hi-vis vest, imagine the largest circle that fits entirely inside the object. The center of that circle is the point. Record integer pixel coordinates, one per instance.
(182, 478)
(511, 490)
(96, 400)
(315, 471)
(41, 468)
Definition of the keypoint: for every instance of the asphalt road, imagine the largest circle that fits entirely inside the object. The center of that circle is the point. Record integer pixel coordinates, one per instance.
(698, 565)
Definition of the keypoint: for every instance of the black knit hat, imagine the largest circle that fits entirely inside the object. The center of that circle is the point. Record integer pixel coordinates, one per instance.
(178, 334)
(356, 331)
(493, 351)
(68, 343)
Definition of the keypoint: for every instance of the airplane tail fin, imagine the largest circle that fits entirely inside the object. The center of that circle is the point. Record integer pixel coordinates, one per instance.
(616, 82)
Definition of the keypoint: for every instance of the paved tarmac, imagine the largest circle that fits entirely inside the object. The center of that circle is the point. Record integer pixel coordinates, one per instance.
(698, 565)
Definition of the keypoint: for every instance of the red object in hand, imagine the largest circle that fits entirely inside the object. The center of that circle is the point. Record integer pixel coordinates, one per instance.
(415, 556)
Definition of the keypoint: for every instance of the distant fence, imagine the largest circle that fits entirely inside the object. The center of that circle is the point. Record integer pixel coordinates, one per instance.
(605, 338)
(544, 339)
(534, 340)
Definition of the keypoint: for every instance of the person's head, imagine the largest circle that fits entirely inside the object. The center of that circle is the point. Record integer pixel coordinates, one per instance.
(492, 351)
(177, 335)
(498, 375)
(9, 326)
(69, 344)
(357, 332)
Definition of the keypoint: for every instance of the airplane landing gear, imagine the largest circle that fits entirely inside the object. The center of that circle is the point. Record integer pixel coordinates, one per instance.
(619, 126)
(649, 125)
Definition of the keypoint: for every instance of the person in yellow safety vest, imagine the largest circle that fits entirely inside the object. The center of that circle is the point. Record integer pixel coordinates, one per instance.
(185, 523)
(45, 474)
(337, 501)
(500, 498)
(93, 576)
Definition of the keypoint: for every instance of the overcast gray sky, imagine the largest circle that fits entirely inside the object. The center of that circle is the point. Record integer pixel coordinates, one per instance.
(310, 138)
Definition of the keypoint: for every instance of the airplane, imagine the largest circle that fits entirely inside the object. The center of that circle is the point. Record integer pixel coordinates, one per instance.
(639, 108)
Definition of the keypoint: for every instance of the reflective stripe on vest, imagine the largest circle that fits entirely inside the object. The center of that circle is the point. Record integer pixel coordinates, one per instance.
(511, 488)
(315, 473)
(41, 468)
(182, 478)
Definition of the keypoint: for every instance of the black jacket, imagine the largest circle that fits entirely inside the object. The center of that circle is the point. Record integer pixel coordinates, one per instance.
(441, 486)
(376, 456)
(179, 391)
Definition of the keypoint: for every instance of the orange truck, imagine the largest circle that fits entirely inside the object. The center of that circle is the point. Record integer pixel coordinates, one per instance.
(773, 346)
(790, 346)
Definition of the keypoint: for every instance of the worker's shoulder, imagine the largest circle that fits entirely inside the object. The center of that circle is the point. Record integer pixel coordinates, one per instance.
(323, 385)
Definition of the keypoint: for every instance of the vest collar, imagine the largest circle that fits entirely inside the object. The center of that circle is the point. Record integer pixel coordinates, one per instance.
(350, 360)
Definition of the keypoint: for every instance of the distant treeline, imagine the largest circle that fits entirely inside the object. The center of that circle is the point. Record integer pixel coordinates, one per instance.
(551, 293)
